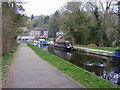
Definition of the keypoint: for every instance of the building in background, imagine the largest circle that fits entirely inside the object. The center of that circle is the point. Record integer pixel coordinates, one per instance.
(36, 34)
(39, 34)
(29, 38)
(45, 34)
(59, 34)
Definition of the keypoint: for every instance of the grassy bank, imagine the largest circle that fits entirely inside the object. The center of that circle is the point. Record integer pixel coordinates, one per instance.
(82, 76)
(112, 49)
(6, 62)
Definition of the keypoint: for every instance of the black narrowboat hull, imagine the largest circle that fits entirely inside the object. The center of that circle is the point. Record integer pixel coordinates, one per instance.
(115, 57)
(67, 46)
(63, 48)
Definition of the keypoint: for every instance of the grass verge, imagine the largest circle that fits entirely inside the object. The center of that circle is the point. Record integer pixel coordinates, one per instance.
(112, 49)
(7, 61)
(84, 77)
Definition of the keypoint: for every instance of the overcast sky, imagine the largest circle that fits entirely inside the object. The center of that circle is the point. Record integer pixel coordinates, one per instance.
(45, 7)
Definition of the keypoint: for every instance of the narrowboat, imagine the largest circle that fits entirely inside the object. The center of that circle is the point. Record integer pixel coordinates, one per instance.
(43, 42)
(117, 55)
(64, 45)
(35, 42)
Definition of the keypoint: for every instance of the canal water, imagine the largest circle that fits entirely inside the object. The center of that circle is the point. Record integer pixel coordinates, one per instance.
(103, 67)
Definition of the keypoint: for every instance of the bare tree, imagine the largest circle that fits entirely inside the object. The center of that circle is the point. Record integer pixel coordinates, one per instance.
(105, 11)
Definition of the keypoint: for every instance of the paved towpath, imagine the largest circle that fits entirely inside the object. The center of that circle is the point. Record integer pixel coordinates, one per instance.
(30, 71)
(84, 48)
(96, 51)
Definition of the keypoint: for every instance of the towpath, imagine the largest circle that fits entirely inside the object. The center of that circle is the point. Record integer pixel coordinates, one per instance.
(30, 71)
(96, 51)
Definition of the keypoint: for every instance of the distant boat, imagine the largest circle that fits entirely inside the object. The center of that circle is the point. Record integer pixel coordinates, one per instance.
(117, 55)
(35, 42)
(43, 42)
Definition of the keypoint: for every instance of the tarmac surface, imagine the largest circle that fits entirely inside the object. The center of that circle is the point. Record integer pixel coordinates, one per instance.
(95, 51)
(30, 71)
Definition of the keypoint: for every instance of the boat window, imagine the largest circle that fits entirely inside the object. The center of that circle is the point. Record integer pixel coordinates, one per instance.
(68, 43)
(64, 44)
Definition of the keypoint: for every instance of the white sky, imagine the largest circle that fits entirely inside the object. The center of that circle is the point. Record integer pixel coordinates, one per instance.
(45, 7)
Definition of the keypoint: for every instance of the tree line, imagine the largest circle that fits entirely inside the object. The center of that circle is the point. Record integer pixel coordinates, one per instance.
(38, 23)
(12, 23)
(95, 22)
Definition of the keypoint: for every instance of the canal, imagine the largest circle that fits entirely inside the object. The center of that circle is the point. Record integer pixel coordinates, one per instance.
(103, 67)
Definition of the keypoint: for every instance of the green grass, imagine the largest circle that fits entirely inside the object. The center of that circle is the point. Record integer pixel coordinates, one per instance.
(112, 49)
(80, 45)
(84, 77)
(7, 60)
(23, 41)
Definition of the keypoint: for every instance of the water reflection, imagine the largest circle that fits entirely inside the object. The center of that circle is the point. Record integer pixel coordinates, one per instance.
(44, 47)
(116, 75)
(65, 55)
(102, 66)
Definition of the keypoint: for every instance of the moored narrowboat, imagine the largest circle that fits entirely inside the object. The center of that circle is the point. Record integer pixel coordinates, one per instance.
(117, 55)
(43, 42)
(67, 45)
